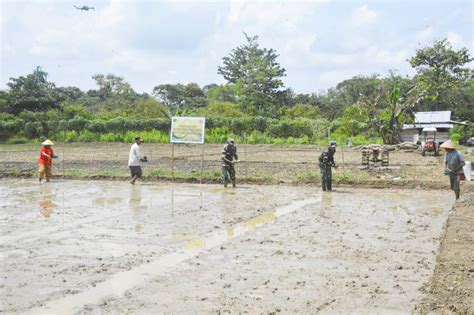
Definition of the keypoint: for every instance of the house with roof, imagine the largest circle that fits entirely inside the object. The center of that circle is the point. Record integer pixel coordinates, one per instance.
(436, 124)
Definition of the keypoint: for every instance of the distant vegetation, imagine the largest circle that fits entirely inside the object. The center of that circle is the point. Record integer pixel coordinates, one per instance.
(253, 106)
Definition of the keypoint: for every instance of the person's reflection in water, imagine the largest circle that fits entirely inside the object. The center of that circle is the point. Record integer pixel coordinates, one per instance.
(136, 208)
(44, 201)
(326, 204)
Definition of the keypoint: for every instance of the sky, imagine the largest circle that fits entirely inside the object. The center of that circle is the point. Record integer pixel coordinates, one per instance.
(320, 43)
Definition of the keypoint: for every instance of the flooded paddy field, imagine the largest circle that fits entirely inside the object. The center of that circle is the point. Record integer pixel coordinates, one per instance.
(109, 247)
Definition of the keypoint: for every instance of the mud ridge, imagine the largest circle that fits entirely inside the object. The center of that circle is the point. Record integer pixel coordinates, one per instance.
(451, 288)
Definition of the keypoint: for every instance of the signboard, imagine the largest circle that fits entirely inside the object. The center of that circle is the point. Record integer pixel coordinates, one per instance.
(187, 129)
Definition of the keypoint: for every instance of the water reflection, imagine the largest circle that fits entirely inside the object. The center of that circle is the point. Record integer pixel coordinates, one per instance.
(136, 208)
(45, 203)
(218, 237)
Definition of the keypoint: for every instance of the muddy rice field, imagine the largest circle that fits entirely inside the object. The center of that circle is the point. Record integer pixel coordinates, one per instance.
(260, 163)
(81, 246)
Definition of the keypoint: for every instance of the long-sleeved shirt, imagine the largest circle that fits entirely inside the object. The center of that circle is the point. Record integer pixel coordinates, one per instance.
(134, 156)
(46, 160)
(229, 152)
(454, 161)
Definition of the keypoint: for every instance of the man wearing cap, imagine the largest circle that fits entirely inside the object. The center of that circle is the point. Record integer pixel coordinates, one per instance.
(229, 152)
(326, 161)
(134, 159)
(453, 164)
(45, 161)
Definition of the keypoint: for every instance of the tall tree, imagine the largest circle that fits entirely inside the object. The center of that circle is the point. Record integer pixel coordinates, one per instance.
(113, 93)
(31, 92)
(257, 76)
(179, 98)
(439, 70)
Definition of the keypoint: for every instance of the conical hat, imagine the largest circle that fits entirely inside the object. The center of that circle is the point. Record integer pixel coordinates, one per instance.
(447, 145)
(47, 142)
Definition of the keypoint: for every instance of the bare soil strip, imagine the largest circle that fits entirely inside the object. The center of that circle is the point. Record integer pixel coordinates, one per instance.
(451, 289)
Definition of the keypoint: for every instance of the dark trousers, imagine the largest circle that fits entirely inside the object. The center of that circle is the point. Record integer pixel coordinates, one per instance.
(326, 177)
(228, 172)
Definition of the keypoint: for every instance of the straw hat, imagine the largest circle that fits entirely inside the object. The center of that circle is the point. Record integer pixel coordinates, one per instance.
(447, 145)
(47, 142)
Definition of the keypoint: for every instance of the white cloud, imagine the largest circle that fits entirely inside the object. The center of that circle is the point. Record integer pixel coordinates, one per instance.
(363, 16)
(456, 40)
(319, 42)
(425, 34)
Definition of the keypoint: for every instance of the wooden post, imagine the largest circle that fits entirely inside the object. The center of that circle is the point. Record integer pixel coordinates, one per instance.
(245, 157)
(202, 162)
(342, 152)
(172, 162)
(64, 145)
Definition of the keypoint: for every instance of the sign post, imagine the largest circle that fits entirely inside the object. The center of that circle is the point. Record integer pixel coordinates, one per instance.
(187, 130)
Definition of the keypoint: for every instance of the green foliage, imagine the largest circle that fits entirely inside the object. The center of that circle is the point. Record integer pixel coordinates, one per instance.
(148, 107)
(257, 77)
(354, 121)
(179, 98)
(439, 70)
(9, 127)
(300, 111)
(32, 92)
(221, 93)
(221, 109)
(21, 140)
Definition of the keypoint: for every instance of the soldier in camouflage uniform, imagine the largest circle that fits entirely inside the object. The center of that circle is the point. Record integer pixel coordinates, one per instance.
(229, 152)
(326, 162)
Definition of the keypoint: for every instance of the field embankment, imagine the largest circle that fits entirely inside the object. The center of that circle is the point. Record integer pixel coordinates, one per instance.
(264, 164)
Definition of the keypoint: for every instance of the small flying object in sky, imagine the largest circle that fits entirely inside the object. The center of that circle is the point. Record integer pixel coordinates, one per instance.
(85, 8)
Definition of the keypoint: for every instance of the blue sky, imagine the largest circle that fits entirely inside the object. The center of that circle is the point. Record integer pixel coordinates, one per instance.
(320, 43)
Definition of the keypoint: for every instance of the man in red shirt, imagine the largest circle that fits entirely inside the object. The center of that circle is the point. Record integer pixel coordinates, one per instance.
(45, 160)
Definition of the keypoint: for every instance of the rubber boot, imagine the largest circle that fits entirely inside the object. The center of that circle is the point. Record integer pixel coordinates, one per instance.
(233, 183)
(457, 192)
(225, 183)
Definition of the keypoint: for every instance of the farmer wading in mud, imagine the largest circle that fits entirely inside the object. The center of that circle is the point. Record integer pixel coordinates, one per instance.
(326, 161)
(229, 152)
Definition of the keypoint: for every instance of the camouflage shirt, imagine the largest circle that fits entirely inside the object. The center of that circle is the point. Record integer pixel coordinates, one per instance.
(229, 152)
(327, 158)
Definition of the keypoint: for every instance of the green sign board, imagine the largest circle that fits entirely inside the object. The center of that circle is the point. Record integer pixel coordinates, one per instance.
(187, 129)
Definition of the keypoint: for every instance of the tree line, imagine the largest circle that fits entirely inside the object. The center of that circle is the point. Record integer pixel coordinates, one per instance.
(254, 100)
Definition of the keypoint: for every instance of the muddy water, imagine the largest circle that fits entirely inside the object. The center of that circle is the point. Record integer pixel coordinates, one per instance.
(78, 246)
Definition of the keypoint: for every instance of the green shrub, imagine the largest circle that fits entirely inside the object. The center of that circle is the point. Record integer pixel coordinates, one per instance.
(21, 140)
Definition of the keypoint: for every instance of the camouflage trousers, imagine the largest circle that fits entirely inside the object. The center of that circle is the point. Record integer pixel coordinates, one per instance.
(326, 177)
(228, 173)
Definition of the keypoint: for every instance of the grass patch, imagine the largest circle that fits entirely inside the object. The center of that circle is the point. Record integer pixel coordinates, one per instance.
(309, 177)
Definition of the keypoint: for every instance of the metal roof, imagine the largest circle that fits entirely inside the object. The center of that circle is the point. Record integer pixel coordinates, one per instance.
(421, 126)
(433, 117)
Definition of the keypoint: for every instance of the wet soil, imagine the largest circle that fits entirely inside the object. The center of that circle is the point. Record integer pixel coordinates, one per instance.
(451, 289)
(110, 247)
(260, 164)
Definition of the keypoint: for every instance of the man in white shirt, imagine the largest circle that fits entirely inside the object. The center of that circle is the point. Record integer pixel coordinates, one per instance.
(134, 159)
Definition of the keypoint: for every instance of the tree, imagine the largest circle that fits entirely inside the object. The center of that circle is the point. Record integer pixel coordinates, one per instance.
(149, 108)
(257, 76)
(179, 97)
(398, 113)
(439, 70)
(222, 93)
(355, 119)
(31, 92)
(114, 94)
(221, 109)
(302, 111)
